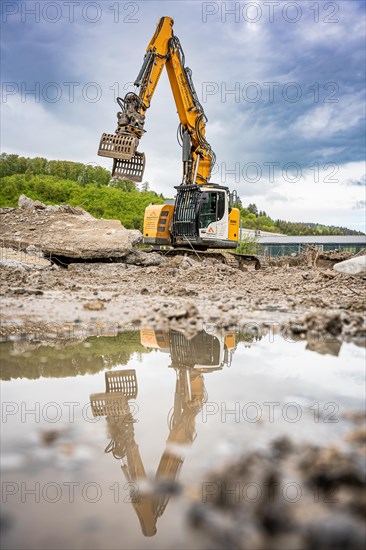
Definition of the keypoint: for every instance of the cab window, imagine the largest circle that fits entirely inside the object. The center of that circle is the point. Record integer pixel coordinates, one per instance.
(212, 208)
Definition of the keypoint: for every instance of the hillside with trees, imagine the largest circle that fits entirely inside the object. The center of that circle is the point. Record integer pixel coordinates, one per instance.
(93, 188)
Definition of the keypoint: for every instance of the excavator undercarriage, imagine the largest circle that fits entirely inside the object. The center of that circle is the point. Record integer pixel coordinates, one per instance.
(243, 262)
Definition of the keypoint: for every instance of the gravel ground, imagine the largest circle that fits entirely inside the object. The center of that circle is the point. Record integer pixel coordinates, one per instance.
(181, 292)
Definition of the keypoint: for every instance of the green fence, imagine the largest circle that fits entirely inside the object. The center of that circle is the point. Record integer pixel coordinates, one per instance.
(276, 250)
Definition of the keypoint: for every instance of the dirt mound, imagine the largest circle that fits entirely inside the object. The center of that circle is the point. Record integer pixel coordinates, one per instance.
(64, 231)
(313, 257)
(288, 496)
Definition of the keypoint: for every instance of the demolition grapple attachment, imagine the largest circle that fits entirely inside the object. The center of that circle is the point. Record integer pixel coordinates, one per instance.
(132, 169)
(127, 162)
(120, 387)
(117, 146)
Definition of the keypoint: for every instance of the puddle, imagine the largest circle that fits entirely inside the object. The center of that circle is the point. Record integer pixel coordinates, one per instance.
(105, 442)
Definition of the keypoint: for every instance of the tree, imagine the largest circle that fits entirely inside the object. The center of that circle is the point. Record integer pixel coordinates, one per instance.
(253, 209)
(238, 202)
(123, 185)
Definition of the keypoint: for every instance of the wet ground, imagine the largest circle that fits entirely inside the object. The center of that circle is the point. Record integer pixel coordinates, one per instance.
(137, 439)
(139, 400)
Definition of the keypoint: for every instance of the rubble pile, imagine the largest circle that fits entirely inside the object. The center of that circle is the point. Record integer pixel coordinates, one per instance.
(288, 496)
(64, 231)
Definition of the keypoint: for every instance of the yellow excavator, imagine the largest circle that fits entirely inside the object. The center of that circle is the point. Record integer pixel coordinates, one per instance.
(191, 359)
(203, 215)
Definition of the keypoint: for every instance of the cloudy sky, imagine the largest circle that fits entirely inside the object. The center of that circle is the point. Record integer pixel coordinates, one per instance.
(282, 84)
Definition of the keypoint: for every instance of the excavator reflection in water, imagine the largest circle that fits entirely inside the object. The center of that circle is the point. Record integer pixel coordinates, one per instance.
(191, 359)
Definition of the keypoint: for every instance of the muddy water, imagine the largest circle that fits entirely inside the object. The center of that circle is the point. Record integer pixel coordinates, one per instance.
(105, 443)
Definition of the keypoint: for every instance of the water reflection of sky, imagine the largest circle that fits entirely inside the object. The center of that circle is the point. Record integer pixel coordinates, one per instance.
(279, 378)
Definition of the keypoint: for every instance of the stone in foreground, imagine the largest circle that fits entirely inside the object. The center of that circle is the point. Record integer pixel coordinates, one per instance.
(354, 266)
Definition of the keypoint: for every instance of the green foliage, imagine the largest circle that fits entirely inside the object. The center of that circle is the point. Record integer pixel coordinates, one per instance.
(101, 202)
(298, 228)
(73, 171)
(259, 221)
(123, 185)
(103, 352)
(252, 208)
(248, 245)
(59, 181)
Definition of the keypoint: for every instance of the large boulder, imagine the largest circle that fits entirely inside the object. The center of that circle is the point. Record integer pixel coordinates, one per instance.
(65, 231)
(354, 266)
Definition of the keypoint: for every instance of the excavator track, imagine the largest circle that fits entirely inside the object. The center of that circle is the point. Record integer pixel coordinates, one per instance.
(237, 261)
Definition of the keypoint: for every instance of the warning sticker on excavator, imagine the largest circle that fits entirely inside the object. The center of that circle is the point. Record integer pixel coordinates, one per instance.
(211, 230)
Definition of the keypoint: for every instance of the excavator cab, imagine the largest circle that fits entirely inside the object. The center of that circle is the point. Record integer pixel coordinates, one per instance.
(203, 217)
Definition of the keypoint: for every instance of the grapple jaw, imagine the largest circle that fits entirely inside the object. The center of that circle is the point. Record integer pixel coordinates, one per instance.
(118, 146)
(132, 169)
(128, 163)
(120, 387)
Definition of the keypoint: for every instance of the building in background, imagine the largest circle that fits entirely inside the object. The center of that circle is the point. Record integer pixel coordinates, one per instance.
(275, 244)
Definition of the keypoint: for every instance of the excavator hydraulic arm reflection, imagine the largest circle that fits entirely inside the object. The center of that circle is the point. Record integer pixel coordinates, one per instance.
(114, 404)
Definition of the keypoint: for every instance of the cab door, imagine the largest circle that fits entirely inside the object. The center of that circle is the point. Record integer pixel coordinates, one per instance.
(213, 215)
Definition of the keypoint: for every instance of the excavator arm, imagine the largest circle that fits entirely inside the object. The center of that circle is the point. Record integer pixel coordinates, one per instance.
(197, 155)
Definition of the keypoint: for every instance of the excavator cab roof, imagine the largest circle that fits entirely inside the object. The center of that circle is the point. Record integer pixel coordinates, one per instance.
(202, 187)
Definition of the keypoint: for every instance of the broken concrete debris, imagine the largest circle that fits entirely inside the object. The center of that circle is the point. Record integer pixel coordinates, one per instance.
(65, 232)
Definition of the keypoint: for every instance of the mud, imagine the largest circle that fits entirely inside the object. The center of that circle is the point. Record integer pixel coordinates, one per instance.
(110, 281)
(57, 306)
(325, 508)
(179, 291)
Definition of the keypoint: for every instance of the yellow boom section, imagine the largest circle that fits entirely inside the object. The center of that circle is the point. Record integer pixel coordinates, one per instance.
(158, 50)
(198, 157)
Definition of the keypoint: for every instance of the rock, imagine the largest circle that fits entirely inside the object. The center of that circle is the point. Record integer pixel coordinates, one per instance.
(327, 513)
(66, 231)
(94, 305)
(33, 251)
(48, 437)
(28, 204)
(139, 257)
(16, 258)
(334, 533)
(354, 266)
(325, 348)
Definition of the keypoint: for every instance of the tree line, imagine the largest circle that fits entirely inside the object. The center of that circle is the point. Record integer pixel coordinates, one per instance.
(88, 186)
(92, 187)
(252, 218)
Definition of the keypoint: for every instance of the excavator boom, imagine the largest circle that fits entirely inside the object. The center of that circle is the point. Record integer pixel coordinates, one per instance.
(164, 49)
